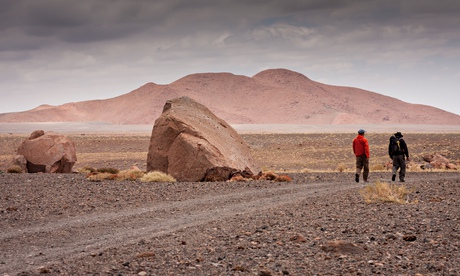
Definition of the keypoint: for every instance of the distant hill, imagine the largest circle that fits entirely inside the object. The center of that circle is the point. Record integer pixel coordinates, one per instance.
(275, 96)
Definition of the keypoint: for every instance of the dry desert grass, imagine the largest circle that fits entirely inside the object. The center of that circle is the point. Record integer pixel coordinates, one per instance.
(307, 152)
(332, 151)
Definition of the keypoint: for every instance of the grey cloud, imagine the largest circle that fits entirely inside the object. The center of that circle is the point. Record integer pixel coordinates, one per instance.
(157, 40)
(81, 21)
(428, 7)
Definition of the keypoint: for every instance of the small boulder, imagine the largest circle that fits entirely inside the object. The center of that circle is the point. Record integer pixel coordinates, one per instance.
(190, 143)
(48, 152)
(436, 157)
(426, 166)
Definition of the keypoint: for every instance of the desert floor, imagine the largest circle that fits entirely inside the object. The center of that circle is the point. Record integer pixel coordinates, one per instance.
(278, 152)
(318, 224)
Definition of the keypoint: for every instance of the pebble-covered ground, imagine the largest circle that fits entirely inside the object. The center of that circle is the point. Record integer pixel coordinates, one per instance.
(316, 225)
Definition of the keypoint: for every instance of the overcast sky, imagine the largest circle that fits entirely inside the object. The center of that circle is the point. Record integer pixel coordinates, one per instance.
(59, 51)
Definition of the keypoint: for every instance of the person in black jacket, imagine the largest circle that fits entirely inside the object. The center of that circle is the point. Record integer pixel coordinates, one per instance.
(398, 151)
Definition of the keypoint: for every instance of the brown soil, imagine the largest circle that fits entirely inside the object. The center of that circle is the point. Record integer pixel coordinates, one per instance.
(63, 224)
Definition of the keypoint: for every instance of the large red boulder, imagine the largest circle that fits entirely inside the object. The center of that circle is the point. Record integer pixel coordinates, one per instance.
(188, 141)
(48, 152)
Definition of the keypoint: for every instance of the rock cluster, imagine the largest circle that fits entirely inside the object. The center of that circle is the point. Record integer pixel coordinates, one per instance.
(437, 161)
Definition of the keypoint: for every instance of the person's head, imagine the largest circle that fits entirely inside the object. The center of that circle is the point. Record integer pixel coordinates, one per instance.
(398, 134)
(361, 131)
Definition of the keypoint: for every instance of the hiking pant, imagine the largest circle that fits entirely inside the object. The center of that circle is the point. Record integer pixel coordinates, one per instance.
(399, 162)
(362, 163)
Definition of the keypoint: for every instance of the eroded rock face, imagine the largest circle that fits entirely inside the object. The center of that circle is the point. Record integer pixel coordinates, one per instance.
(188, 141)
(48, 152)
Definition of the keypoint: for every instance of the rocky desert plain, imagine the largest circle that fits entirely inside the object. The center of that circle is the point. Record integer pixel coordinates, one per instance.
(317, 224)
(320, 223)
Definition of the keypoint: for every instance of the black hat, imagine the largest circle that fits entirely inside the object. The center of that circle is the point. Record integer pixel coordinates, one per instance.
(398, 134)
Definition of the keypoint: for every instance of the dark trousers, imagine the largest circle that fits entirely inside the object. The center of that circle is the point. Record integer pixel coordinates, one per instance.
(362, 163)
(399, 162)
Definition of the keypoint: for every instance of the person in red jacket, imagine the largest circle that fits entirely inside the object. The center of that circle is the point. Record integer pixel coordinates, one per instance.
(361, 150)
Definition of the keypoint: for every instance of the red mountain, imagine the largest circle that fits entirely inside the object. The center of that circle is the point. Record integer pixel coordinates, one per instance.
(275, 96)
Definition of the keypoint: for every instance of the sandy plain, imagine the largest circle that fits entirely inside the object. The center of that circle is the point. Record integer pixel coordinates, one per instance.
(318, 224)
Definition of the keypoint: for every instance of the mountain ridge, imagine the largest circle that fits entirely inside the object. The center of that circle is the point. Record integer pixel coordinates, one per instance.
(273, 96)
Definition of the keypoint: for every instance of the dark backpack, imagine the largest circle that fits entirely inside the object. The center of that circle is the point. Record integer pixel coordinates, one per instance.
(395, 147)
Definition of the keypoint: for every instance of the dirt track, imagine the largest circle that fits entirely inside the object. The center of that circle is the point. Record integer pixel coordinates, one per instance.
(64, 224)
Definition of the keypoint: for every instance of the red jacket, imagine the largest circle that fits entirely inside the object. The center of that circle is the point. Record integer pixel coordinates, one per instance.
(361, 146)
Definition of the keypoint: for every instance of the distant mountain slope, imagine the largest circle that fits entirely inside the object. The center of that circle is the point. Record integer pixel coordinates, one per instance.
(275, 96)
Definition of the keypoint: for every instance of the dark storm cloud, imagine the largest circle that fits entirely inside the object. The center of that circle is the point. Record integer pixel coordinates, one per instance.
(80, 21)
(87, 21)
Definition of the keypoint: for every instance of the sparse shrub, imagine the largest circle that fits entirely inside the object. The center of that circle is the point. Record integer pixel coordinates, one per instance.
(98, 177)
(415, 168)
(130, 175)
(384, 192)
(377, 167)
(283, 178)
(108, 170)
(14, 169)
(86, 170)
(341, 167)
(156, 176)
(268, 176)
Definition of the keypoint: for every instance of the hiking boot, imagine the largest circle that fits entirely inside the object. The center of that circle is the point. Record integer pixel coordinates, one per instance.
(357, 178)
(393, 177)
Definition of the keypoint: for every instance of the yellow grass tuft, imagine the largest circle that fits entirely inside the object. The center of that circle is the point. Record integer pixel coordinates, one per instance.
(14, 169)
(122, 175)
(378, 167)
(98, 177)
(384, 192)
(156, 176)
(86, 170)
(132, 174)
(108, 170)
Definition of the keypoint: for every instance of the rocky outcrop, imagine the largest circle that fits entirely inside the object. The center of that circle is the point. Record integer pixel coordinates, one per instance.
(190, 143)
(438, 161)
(47, 152)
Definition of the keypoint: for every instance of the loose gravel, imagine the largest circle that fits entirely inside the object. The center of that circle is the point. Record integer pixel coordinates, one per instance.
(63, 224)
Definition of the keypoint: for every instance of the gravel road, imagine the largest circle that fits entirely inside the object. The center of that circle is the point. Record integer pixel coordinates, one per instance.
(316, 225)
